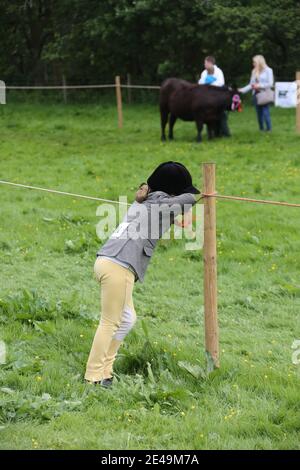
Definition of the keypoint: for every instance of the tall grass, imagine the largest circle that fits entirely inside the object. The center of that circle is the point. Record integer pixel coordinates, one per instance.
(49, 307)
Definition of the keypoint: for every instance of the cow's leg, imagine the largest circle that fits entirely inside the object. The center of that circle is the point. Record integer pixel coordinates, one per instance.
(210, 131)
(172, 121)
(218, 128)
(164, 113)
(199, 125)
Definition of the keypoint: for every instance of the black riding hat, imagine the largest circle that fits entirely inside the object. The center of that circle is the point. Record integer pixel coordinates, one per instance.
(172, 178)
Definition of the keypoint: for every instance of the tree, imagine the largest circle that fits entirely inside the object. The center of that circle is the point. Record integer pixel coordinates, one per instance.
(93, 41)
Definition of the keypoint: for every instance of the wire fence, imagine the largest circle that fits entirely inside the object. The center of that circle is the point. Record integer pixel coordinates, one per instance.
(62, 193)
(84, 92)
(247, 199)
(58, 87)
(79, 87)
(93, 198)
(209, 251)
(118, 86)
(99, 86)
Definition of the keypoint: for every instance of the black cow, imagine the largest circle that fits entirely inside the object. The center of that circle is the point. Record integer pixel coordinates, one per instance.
(204, 104)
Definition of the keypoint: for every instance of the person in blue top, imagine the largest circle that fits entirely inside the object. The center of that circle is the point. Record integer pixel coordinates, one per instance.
(213, 75)
(261, 79)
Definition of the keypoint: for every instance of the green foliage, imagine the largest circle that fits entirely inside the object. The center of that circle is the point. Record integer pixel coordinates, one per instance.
(150, 39)
(16, 407)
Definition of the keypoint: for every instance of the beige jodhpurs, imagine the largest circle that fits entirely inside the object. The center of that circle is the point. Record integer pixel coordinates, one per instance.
(117, 317)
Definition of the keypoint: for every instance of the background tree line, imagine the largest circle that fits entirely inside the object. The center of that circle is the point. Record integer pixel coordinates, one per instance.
(90, 41)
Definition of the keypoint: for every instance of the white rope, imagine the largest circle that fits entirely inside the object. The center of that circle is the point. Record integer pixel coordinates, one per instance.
(77, 87)
(147, 87)
(57, 87)
(64, 193)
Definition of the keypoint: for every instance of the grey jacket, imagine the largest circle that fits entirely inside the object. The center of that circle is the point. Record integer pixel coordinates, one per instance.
(133, 242)
(265, 80)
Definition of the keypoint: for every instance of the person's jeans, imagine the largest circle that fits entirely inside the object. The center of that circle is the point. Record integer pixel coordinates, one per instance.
(224, 125)
(263, 116)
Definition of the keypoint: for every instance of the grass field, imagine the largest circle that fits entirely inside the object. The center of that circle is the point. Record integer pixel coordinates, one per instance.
(49, 304)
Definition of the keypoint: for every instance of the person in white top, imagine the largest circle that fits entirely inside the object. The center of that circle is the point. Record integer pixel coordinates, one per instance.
(213, 75)
(261, 79)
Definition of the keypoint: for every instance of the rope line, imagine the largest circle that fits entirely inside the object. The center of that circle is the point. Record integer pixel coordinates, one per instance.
(247, 199)
(76, 87)
(203, 195)
(147, 87)
(64, 193)
(57, 87)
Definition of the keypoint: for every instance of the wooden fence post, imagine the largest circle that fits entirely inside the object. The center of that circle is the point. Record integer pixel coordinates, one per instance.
(119, 101)
(298, 103)
(210, 269)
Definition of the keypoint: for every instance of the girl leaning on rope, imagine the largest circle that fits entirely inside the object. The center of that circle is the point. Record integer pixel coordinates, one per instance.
(124, 258)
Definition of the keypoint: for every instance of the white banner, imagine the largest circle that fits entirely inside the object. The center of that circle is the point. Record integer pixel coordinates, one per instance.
(286, 94)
